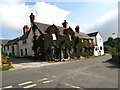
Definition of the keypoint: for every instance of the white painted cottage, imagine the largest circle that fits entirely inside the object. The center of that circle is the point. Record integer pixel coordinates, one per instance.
(98, 43)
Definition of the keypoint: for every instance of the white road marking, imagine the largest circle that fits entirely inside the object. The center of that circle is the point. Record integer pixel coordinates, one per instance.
(29, 86)
(7, 87)
(75, 87)
(67, 84)
(48, 81)
(53, 76)
(25, 83)
(44, 79)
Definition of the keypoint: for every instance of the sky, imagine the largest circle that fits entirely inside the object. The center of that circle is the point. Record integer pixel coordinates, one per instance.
(90, 16)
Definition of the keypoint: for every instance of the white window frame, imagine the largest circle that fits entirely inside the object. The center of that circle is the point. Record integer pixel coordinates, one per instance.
(90, 41)
(70, 37)
(54, 36)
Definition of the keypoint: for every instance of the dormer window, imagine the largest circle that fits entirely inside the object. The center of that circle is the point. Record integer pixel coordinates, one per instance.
(54, 36)
(90, 41)
(70, 38)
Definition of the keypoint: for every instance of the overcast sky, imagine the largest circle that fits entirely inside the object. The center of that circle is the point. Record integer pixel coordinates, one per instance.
(90, 16)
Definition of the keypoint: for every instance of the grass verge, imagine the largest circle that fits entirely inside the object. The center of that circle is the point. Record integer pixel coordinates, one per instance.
(5, 68)
(84, 58)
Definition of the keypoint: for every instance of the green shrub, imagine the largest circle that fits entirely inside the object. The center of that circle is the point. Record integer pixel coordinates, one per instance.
(4, 68)
(85, 54)
(109, 49)
(4, 58)
(74, 55)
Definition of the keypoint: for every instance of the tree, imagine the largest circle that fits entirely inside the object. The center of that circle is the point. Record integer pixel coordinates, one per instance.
(4, 57)
(111, 42)
(112, 45)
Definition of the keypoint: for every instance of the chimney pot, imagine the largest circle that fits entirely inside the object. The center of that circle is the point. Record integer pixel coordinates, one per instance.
(77, 29)
(32, 17)
(25, 29)
(65, 24)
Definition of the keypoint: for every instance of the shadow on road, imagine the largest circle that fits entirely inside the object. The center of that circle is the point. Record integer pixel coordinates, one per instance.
(15, 60)
(113, 64)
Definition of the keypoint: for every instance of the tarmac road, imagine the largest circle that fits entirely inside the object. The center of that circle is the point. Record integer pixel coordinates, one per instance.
(80, 74)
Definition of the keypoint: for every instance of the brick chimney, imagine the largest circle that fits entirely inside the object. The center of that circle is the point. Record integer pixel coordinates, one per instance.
(65, 24)
(32, 18)
(25, 29)
(77, 29)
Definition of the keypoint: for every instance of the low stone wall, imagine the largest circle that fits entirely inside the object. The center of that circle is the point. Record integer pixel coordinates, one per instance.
(116, 57)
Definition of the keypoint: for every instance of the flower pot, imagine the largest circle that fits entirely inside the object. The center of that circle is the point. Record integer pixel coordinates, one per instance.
(3, 65)
(10, 63)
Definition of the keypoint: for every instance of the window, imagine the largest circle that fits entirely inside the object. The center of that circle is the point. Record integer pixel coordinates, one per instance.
(82, 40)
(13, 50)
(4, 48)
(100, 40)
(96, 49)
(26, 51)
(90, 41)
(100, 47)
(7, 47)
(70, 38)
(21, 52)
(24, 41)
(54, 36)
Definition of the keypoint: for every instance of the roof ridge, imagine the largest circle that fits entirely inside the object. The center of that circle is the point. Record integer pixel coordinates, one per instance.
(93, 32)
(49, 24)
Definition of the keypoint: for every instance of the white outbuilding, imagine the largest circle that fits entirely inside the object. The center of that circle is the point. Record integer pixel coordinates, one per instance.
(98, 43)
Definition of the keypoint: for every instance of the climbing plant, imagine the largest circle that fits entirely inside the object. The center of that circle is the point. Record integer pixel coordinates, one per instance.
(49, 49)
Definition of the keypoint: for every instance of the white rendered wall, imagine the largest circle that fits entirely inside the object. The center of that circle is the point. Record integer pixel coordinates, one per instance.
(100, 44)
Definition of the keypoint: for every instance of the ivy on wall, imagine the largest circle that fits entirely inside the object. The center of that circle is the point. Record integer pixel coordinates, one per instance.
(48, 49)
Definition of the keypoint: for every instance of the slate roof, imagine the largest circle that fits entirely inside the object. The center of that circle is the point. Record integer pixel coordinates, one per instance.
(82, 35)
(43, 27)
(12, 42)
(92, 34)
(3, 41)
(25, 35)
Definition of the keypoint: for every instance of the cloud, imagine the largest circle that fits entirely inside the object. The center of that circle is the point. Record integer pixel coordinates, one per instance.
(15, 15)
(50, 14)
(106, 25)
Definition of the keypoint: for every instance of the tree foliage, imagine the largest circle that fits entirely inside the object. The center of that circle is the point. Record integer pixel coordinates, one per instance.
(4, 57)
(112, 45)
